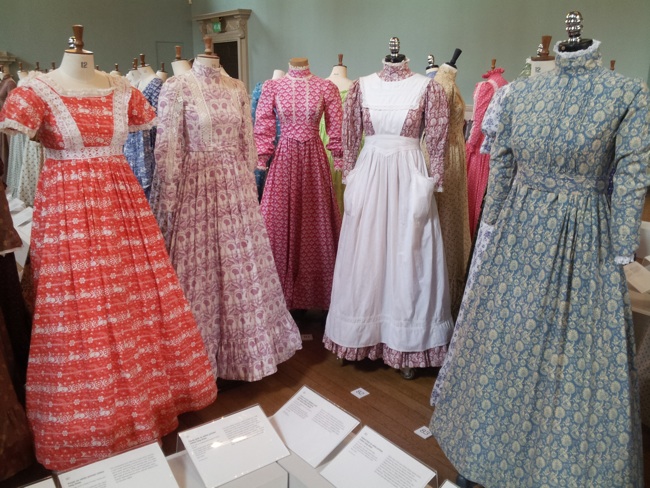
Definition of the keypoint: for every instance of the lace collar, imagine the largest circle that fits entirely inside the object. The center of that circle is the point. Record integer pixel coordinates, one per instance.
(204, 72)
(299, 71)
(577, 61)
(492, 72)
(395, 71)
(84, 92)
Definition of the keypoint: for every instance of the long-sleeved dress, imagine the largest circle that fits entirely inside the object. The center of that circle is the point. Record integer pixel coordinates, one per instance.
(390, 297)
(452, 203)
(478, 164)
(542, 389)
(115, 353)
(205, 199)
(299, 205)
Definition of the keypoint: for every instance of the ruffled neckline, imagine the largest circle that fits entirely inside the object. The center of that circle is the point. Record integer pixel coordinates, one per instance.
(395, 71)
(575, 61)
(299, 72)
(206, 72)
(492, 72)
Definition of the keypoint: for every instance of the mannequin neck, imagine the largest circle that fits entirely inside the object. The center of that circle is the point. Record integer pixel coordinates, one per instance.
(209, 61)
(77, 72)
(339, 77)
(180, 66)
(146, 75)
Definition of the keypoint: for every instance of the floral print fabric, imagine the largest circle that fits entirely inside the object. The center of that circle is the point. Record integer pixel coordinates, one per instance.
(542, 390)
(115, 354)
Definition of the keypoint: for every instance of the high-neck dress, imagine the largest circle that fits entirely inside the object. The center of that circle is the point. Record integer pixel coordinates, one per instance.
(390, 298)
(115, 353)
(452, 203)
(204, 197)
(542, 389)
(478, 164)
(299, 205)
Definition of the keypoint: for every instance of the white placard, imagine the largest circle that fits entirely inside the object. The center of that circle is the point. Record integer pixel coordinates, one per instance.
(233, 446)
(311, 426)
(359, 392)
(449, 484)
(371, 461)
(144, 466)
(46, 483)
(423, 432)
(637, 276)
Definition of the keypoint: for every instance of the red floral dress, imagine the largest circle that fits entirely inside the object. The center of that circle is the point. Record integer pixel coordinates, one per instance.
(115, 353)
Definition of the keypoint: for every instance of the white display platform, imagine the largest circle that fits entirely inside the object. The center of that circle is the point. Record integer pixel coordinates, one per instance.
(269, 476)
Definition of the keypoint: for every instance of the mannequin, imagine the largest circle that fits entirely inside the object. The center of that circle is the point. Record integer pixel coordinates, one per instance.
(339, 76)
(208, 58)
(432, 67)
(161, 73)
(543, 62)
(277, 74)
(22, 74)
(394, 56)
(116, 71)
(180, 65)
(77, 68)
(147, 74)
(134, 75)
(82, 118)
(574, 43)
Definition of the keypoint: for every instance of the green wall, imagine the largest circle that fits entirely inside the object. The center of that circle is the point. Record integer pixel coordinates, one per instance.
(115, 30)
(508, 30)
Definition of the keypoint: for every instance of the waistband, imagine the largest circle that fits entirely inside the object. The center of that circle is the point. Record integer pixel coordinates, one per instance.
(83, 153)
(387, 142)
(561, 183)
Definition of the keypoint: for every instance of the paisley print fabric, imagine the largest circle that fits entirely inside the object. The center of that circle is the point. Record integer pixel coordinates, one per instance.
(299, 205)
(542, 390)
(115, 353)
(215, 233)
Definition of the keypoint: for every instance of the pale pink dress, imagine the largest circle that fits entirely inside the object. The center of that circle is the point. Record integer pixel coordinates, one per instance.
(205, 199)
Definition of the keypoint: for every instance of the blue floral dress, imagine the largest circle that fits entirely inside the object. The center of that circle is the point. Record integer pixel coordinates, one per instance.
(542, 389)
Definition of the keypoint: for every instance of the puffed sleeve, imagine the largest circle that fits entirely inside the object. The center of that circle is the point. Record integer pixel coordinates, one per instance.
(265, 129)
(169, 150)
(352, 130)
(333, 120)
(142, 116)
(491, 117)
(436, 126)
(502, 167)
(246, 140)
(23, 112)
(631, 177)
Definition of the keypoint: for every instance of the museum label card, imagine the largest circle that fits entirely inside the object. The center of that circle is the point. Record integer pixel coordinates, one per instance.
(46, 483)
(371, 461)
(359, 392)
(312, 426)
(233, 446)
(144, 466)
(423, 432)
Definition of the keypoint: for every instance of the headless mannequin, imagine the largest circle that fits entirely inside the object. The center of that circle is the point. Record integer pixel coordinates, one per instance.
(180, 65)
(161, 73)
(339, 76)
(116, 71)
(432, 67)
(77, 68)
(543, 62)
(134, 75)
(208, 58)
(146, 74)
(277, 74)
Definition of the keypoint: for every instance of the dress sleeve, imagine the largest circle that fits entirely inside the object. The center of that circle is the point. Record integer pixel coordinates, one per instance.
(255, 98)
(436, 126)
(482, 97)
(631, 175)
(142, 116)
(170, 147)
(23, 112)
(491, 119)
(333, 121)
(502, 168)
(352, 130)
(265, 124)
(246, 140)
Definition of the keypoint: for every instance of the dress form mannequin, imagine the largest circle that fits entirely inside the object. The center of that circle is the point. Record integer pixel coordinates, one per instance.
(77, 69)
(161, 73)
(542, 62)
(146, 74)
(22, 74)
(180, 65)
(432, 67)
(339, 76)
(116, 71)
(134, 75)
(277, 74)
(208, 58)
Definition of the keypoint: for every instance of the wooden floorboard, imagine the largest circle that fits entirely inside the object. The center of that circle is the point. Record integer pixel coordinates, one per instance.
(394, 408)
